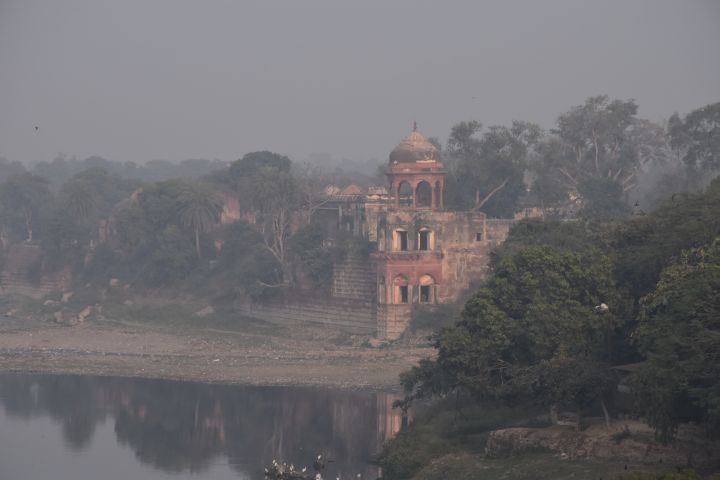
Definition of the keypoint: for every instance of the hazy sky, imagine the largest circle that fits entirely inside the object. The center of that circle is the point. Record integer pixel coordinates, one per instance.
(170, 79)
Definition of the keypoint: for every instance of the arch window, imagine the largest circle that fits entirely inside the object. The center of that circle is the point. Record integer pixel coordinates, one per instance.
(427, 289)
(405, 194)
(423, 195)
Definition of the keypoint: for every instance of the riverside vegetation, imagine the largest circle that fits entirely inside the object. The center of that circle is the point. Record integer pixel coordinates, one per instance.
(568, 302)
(624, 271)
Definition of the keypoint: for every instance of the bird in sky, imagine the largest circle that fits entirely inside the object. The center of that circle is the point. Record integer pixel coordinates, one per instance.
(37, 128)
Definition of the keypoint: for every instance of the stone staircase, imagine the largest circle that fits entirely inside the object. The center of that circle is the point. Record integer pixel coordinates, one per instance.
(21, 273)
(355, 279)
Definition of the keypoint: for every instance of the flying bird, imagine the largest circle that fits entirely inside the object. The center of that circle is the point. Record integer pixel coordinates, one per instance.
(37, 128)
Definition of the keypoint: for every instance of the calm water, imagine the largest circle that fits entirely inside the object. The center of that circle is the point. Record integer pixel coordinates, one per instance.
(78, 427)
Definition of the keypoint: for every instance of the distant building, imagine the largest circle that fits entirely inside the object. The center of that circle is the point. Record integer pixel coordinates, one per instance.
(425, 255)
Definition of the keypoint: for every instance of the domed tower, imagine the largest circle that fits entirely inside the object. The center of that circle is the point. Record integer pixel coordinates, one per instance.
(416, 175)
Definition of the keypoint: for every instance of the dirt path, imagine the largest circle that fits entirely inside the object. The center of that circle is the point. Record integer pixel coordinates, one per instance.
(206, 355)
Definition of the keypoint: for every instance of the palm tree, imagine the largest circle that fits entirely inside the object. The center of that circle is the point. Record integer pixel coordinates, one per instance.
(199, 210)
(79, 198)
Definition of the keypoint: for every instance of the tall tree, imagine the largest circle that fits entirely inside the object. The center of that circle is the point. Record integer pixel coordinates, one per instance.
(696, 138)
(79, 198)
(26, 194)
(269, 193)
(679, 333)
(598, 139)
(488, 168)
(200, 208)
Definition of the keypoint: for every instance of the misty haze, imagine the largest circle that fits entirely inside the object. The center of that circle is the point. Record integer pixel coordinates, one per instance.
(374, 240)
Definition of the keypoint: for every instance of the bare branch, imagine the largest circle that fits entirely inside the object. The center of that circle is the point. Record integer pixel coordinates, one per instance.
(572, 179)
(493, 192)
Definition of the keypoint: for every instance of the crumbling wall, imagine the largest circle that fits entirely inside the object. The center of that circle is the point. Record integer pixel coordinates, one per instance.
(23, 273)
(392, 320)
(354, 279)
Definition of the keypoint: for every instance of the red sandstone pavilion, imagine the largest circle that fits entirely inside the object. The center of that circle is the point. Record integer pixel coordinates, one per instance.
(423, 254)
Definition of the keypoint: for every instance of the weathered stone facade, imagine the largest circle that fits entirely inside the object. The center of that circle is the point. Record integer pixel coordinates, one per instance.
(425, 255)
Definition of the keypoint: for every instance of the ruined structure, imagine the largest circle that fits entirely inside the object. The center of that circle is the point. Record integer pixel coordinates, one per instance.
(425, 255)
(422, 255)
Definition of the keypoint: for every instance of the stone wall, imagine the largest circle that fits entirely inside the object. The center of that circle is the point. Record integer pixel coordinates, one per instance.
(351, 316)
(392, 320)
(350, 306)
(354, 279)
(497, 230)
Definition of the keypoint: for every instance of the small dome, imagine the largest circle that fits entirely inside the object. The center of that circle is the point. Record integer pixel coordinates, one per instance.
(414, 148)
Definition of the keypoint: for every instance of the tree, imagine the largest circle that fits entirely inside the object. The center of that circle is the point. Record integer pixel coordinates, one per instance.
(199, 210)
(518, 336)
(310, 183)
(79, 198)
(644, 245)
(171, 256)
(275, 197)
(596, 133)
(600, 139)
(25, 194)
(268, 191)
(602, 199)
(696, 138)
(679, 334)
(488, 170)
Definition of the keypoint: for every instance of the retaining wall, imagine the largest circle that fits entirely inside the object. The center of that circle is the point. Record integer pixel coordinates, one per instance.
(353, 317)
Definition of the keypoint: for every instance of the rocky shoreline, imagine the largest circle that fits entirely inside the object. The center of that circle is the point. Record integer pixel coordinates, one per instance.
(625, 441)
(210, 356)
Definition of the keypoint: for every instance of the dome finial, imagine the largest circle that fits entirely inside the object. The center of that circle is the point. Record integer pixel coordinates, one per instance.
(414, 126)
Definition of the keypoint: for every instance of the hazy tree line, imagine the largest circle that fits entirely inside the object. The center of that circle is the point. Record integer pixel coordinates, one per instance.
(157, 223)
(599, 153)
(106, 225)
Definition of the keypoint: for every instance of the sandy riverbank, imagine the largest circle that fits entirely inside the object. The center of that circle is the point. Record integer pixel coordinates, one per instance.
(267, 356)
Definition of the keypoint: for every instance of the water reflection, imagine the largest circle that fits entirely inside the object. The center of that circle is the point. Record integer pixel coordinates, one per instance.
(186, 427)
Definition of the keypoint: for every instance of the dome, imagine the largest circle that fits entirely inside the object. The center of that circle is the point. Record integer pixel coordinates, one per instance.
(414, 148)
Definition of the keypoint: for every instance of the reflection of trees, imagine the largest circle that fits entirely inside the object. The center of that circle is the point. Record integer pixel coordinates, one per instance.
(177, 426)
(69, 400)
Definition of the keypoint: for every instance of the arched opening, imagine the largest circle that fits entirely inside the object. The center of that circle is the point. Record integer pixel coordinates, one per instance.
(427, 289)
(426, 239)
(401, 289)
(438, 195)
(423, 195)
(405, 194)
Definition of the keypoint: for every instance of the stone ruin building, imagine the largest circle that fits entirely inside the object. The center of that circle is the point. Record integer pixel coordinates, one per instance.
(425, 254)
(422, 255)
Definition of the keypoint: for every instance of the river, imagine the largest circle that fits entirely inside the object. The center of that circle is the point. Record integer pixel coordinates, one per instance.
(82, 427)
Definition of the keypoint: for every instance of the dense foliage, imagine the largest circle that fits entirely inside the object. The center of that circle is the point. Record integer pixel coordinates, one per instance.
(565, 304)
